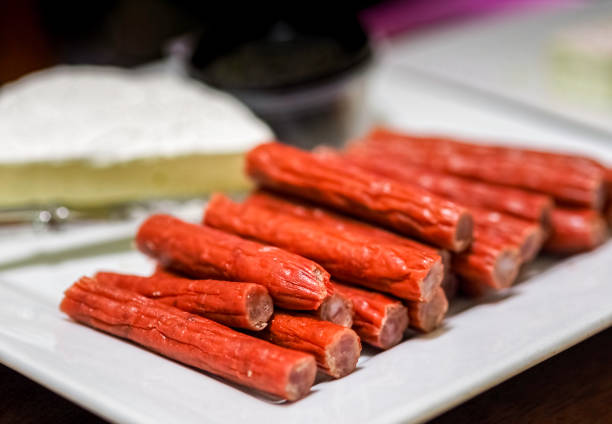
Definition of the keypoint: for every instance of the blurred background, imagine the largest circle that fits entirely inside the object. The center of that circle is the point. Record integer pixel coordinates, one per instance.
(300, 65)
(313, 72)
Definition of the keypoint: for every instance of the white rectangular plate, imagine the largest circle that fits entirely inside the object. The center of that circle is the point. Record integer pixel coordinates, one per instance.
(478, 347)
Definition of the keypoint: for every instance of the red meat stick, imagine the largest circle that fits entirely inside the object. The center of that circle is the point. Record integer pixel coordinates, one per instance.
(351, 228)
(338, 184)
(575, 230)
(355, 230)
(202, 252)
(336, 348)
(488, 264)
(241, 305)
(581, 164)
(404, 271)
(427, 316)
(527, 236)
(337, 309)
(577, 162)
(379, 320)
(191, 339)
(520, 203)
(572, 184)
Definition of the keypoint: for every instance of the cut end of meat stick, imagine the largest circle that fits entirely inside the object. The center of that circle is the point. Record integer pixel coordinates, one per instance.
(235, 304)
(259, 308)
(506, 268)
(343, 353)
(433, 280)
(427, 316)
(463, 235)
(336, 349)
(393, 326)
(336, 183)
(392, 264)
(500, 274)
(337, 309)
(532, 244)
(190, 339)
(301, 379)
(293, 281)
(379, 320)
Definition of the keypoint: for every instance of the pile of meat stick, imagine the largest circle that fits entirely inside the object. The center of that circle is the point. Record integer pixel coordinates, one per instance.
(339, 248)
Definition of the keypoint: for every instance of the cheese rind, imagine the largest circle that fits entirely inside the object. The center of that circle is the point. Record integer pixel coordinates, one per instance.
(89, 136)
(106, 115)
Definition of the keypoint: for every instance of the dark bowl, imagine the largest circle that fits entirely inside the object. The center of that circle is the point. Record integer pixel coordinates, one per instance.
(309, 86)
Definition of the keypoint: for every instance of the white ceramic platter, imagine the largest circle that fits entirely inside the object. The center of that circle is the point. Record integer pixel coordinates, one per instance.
(556, 305)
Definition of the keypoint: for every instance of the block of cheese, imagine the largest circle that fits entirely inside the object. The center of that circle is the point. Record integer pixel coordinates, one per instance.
(86, 136)
(582, 62)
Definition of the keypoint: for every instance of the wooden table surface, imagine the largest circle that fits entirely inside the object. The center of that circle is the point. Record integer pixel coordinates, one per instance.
(572, 387)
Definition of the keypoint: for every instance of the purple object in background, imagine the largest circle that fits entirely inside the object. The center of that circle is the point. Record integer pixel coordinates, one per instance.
(396, 16)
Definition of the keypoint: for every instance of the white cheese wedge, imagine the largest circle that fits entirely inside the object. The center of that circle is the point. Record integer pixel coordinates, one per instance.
(582, 62)
(91, 136)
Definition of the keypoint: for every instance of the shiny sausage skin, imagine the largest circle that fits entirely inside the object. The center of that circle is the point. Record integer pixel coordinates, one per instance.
(404, 271)
(572, 180)
(527, 236)
(379, 320)
(336, 183)
(336, 348)
(203, 252)
(489, 264)
(240, 305)
(520, 203)
(350, 228)
(575, 230)
(191, 339)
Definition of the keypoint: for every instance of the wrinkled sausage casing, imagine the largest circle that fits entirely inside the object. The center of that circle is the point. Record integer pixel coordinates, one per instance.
(336, 348)
(406, 271)
(520, 203)
(191, 339)
(569, 179)
(379, 320)
(337, 309)
(241, 305)
(527, 236)
(293, 282)
(575, 230)
(334, 182)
